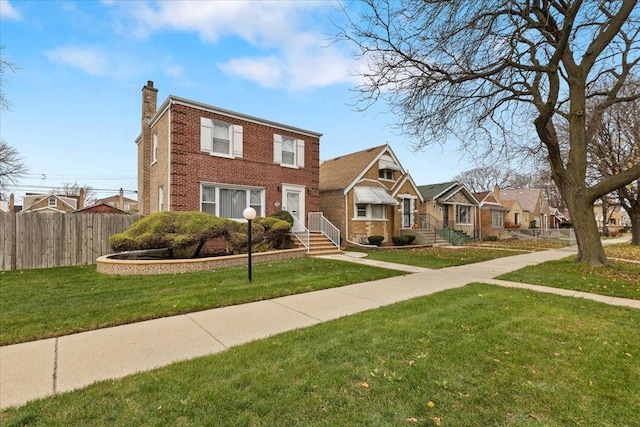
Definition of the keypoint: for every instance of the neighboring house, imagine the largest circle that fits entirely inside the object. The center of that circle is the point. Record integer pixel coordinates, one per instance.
(368, 193)
(4, 206)
(120, 202)
(492, 214)
(101, 208)
(613, 214)
(449, 205)
(533, 213)
(556, 217)
(52, 202)
(197, 157)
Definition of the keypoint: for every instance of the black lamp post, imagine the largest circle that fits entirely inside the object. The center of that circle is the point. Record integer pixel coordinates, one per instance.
(249, 214)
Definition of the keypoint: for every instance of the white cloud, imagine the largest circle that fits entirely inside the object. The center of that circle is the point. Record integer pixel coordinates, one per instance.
(91, 61)
(266, 71)
(8, 12)
(286, 36)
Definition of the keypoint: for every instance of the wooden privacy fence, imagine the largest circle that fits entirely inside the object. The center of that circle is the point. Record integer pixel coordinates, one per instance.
(41, 240)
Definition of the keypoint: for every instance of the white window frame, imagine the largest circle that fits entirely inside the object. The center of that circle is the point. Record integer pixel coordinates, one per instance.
(160, 198)
(260, 208)
(53, 202)
(234, 138)
(294, 146)
(369, 213)
(385, 174)
(298, 151)
(497, 215)
(154, 150)
(458, 216)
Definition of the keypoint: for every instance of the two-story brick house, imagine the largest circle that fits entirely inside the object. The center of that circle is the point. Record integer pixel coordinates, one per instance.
(197, 157)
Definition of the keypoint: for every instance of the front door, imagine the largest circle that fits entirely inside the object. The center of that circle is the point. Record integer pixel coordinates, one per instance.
(293, 204)
(406, 213)
(293, 201)
(445, 215)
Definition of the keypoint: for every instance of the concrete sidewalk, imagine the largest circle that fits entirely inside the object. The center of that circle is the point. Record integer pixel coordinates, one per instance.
(36, 369)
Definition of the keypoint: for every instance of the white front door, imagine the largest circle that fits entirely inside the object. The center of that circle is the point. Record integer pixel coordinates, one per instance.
(293, 204)
(293, 201)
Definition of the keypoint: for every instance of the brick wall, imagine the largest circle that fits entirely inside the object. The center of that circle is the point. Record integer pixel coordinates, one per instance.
(189, 166)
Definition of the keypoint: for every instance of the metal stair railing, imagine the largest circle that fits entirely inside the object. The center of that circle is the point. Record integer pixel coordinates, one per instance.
(429, 222)
(319, 224)
(301, 232)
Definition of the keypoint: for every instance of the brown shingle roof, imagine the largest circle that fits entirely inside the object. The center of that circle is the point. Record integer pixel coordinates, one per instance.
(527, 197)
(338, 173)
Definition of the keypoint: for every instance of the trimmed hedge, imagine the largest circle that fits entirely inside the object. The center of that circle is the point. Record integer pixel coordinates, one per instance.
(375, 240)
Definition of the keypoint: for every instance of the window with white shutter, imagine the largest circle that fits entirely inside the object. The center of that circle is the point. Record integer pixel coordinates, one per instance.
(287, 151)
(220, 139)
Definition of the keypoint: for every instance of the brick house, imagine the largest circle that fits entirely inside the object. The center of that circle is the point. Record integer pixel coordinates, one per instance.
(450, 206)
(120, 202)
(52, 202)
(534, 211)
(368, 193)
(197, 157)
(491, 214)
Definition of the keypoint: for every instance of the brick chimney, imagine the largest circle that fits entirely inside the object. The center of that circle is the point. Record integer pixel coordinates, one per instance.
(12, 203)
(496, 192)
(149, 106)
(121, 199)
(81, 199)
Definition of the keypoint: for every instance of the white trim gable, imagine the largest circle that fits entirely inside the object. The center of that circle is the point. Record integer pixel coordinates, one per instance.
(401, 182)
(386, 150)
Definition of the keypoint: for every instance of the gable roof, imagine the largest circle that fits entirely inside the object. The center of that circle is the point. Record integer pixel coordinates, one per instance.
(433, 191)
(101, 208)
(344, 171)
(527, 197)
(444, 191)
(70, 201)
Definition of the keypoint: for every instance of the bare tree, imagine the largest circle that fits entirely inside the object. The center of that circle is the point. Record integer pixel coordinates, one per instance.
(484, 178)
(11, 165)
(494, 73)
(616, 147)
(69, 189)
(5, 65)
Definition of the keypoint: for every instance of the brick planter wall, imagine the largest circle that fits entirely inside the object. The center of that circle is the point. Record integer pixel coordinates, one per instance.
(106, 265)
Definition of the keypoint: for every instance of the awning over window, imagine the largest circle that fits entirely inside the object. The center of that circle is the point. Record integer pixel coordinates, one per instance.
(373, 196)
(386, 162)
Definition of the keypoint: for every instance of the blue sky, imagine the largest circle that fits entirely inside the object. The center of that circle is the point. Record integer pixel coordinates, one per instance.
(77, 96)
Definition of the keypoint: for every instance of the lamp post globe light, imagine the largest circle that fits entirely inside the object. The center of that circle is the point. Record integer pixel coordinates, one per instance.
(249, 214)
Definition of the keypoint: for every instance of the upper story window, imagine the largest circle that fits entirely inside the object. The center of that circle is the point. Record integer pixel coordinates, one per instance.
(154, 153)
(220, 139)
(288, 151)
(385, 174)
(52, 201)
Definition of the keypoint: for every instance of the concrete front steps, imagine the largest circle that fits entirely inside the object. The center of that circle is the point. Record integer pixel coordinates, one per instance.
(427, 237)
(319, 244)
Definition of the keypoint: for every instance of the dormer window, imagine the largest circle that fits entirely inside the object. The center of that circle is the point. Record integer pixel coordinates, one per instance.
(385, 174)
(52, 201)
(386, 166)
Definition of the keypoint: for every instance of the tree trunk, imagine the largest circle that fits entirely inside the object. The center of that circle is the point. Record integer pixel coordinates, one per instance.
(634, 215)
(590, 250)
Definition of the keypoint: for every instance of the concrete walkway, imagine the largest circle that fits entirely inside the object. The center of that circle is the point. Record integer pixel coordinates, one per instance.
(36, 369)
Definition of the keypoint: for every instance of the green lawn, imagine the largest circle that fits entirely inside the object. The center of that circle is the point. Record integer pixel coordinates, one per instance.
(617, 280)
(475, 356)
(50, 302)
(437, 257)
